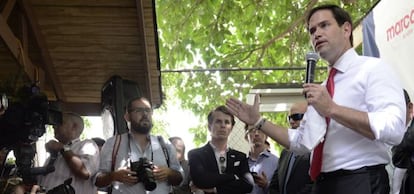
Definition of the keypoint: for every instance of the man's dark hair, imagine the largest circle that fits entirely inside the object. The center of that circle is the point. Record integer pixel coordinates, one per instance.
(176, 138)
(340, 15)
(222, 109)
(130, 101)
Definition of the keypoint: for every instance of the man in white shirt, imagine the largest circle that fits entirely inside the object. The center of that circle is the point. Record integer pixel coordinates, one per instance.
(76, 159)
(364, 110)
(116, 170)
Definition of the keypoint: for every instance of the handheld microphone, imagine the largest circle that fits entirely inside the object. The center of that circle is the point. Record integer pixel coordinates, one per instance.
(311, 60)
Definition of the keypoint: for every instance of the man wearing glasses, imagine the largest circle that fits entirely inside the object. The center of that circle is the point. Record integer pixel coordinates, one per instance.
(216, 168)
(120, 152)
(292, 173)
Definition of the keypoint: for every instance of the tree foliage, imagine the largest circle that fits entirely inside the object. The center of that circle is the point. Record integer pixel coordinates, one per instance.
(208, 36)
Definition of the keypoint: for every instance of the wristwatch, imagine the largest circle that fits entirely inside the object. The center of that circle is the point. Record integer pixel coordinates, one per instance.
(65, 148)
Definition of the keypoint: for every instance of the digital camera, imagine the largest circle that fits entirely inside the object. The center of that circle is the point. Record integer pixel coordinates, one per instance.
(143, 167)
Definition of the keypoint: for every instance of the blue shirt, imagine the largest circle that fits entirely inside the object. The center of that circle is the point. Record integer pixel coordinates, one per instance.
(267, 163)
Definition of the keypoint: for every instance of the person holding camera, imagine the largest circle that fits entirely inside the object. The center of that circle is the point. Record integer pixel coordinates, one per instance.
(73, 159)
(216, 168)
(137, 161)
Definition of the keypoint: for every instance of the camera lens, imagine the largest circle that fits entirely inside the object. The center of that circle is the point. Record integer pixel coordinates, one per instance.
(143, 167)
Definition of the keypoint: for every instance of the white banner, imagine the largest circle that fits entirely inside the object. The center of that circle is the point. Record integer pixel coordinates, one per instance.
(394, 35)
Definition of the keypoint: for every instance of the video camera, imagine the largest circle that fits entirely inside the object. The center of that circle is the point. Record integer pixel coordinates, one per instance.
(23, 116)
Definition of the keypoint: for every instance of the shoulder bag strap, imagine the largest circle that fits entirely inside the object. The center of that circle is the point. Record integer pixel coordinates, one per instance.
(164, 149)
(114, 154)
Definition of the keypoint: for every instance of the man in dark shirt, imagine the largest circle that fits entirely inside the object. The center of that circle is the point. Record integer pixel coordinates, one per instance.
(292, 173)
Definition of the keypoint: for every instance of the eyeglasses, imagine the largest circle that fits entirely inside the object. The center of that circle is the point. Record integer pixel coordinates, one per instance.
(296, 117)
(222, 161)
(140, 110)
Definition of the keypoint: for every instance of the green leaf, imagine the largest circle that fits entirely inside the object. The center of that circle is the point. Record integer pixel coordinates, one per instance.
(207, 34)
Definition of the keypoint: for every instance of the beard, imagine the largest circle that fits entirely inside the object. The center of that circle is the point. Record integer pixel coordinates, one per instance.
(142, 127)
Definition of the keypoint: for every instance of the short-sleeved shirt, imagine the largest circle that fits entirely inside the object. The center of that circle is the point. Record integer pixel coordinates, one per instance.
(130, 151)
(88, 152)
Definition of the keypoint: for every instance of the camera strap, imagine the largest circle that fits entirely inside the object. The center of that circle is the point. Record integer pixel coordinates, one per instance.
(164, 149)
(114, 153)
(116, 148)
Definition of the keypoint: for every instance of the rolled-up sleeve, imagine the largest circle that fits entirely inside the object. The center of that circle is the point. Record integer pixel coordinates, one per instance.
(387, 127)
(386, 105)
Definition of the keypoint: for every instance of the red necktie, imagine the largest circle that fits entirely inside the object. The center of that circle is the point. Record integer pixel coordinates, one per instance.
(316, 165)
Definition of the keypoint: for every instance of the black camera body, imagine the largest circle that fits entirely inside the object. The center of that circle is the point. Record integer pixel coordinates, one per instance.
(64, 188)
(143, 167)
(25, 112)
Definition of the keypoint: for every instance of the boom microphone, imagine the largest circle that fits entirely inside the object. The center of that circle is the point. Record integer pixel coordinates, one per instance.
(311, 60)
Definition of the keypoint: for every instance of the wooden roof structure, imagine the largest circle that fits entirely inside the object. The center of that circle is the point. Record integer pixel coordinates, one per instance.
(72, 47)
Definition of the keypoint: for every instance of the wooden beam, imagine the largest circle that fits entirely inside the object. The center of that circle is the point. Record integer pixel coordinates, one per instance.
(142, 33)
(83, 109)
(48, 64)
(83, 3)
(16, 48)
(8, 9)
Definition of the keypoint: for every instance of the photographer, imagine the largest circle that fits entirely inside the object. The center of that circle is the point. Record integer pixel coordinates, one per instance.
(141, 161)
(74, 159)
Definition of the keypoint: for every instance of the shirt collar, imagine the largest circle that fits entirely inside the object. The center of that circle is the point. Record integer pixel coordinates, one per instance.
(74, 141)
(344, 62)
(215, 148)
(265, 153)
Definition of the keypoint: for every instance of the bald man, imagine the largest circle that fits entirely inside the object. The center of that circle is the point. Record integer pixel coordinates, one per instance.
(75, 159)
(292, 173)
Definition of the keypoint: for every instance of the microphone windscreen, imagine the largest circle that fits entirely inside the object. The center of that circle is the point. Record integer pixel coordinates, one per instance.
(312, 56)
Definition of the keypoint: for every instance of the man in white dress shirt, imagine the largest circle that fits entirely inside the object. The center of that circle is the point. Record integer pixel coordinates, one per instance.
(366, 112)
(76, 159)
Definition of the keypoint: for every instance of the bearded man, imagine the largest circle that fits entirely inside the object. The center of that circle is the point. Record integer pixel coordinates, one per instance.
(123, 156)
